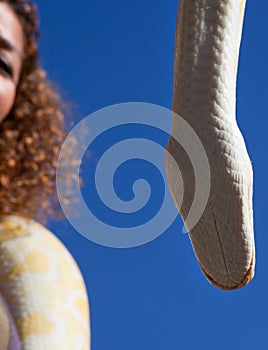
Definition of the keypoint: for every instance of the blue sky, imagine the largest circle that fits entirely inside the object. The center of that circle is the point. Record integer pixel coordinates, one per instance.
(154, 296)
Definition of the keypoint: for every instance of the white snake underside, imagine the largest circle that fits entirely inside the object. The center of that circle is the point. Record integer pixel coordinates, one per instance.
(206, 56)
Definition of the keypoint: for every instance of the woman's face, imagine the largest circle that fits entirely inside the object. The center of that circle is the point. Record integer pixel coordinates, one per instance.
(11, 54)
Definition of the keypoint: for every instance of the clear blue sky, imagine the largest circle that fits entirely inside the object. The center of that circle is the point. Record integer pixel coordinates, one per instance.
(154, 296)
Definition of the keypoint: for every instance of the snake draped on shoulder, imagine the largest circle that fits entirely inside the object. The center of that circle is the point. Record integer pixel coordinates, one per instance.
(44, 301)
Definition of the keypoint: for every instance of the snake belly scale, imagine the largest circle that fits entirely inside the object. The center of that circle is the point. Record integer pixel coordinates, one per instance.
(207, 46)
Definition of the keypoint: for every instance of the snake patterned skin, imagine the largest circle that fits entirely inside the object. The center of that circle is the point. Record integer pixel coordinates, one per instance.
(206, 58)
(43, 288)
(9, 339)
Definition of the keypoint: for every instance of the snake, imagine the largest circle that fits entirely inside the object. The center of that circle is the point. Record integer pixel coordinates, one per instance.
(207, 45)
(43, 299)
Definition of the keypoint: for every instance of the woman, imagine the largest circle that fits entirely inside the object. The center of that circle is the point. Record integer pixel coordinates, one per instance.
(43, 302)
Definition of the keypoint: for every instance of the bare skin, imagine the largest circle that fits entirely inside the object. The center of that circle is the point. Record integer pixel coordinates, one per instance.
(11, 55)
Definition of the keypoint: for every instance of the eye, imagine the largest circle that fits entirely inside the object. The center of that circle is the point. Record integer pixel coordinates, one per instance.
(6, 67)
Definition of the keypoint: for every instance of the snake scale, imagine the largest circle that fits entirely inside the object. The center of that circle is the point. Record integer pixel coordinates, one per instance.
(42, 287)
(205, 71)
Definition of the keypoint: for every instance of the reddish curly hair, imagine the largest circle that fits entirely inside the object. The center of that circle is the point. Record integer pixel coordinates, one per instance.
(32, 133)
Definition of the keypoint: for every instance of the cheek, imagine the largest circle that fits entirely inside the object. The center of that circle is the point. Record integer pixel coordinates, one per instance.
(7, 97)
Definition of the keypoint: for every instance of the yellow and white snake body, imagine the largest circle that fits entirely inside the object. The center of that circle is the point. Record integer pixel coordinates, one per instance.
(206, 57)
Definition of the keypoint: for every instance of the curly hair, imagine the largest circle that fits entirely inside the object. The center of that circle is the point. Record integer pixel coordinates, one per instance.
(32, 133)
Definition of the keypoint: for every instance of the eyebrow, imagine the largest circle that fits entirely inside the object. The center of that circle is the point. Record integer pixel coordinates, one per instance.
(7, 45)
